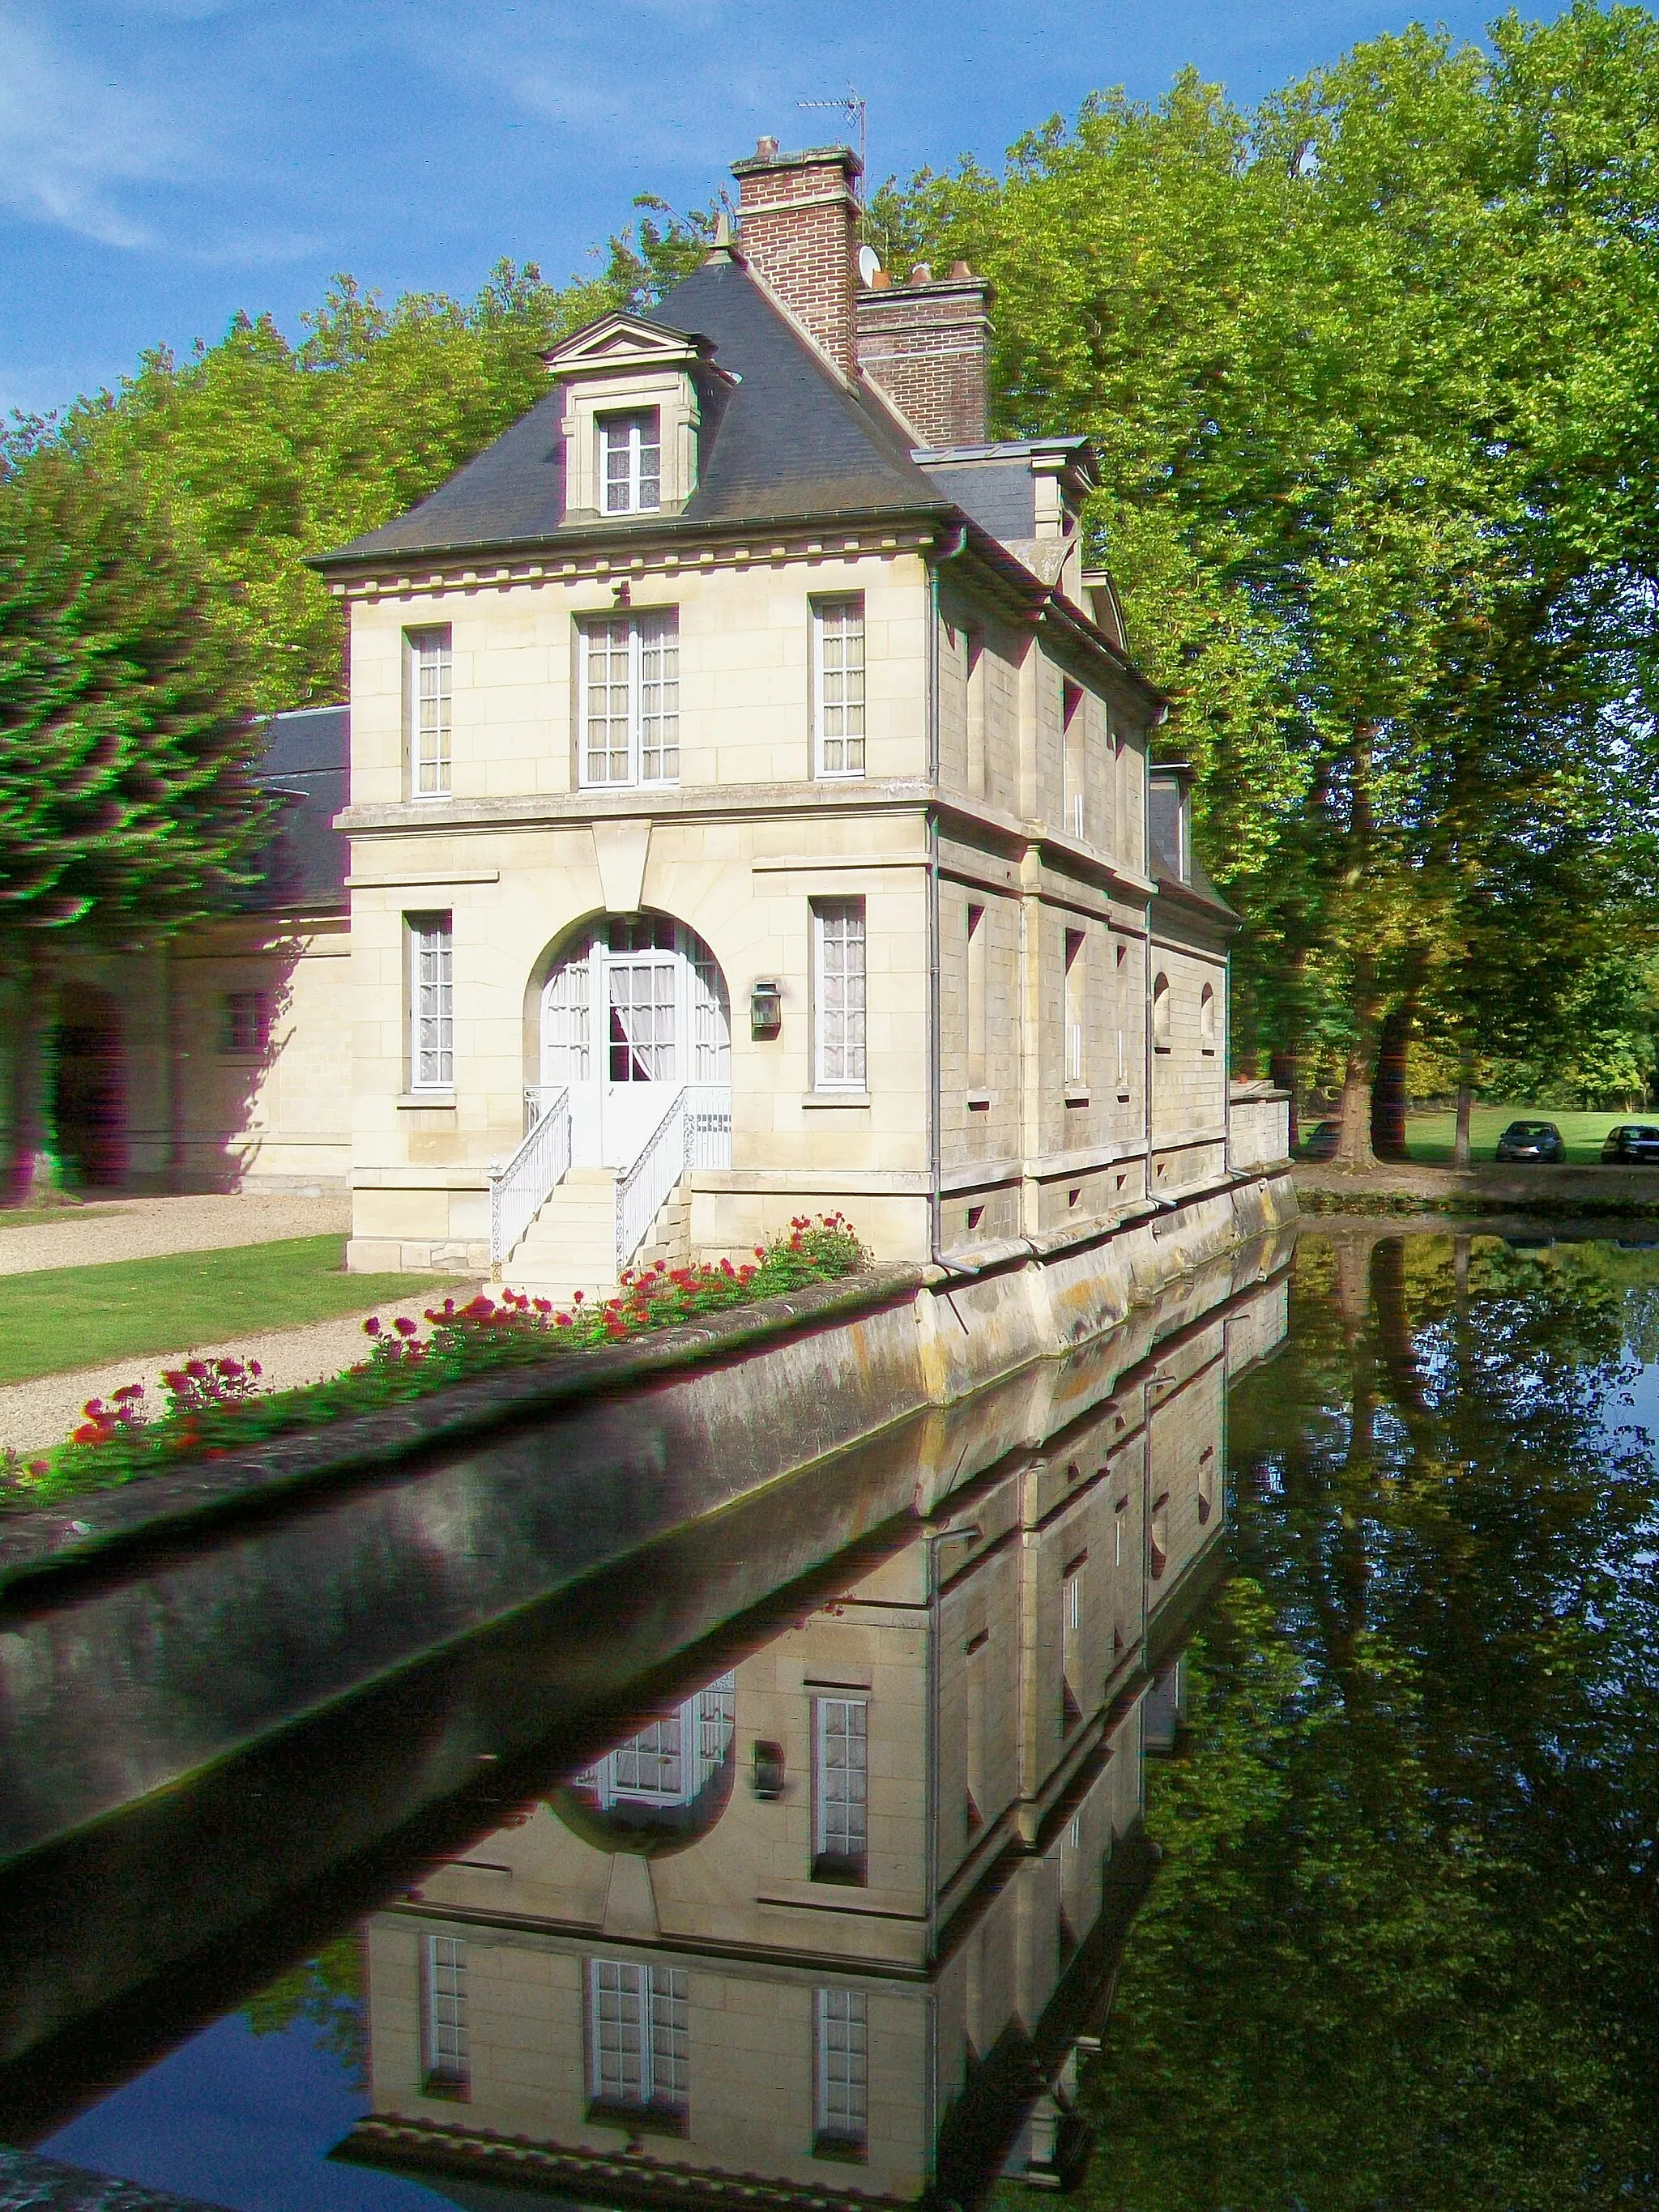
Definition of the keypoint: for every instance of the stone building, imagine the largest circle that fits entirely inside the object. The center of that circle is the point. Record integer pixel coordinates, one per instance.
(748, 811)
(749, 802)
(831, 1925)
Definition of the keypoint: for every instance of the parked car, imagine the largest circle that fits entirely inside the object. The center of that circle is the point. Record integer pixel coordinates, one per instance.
(1631, 1144)
(1532, 1141)
(1321, 1141)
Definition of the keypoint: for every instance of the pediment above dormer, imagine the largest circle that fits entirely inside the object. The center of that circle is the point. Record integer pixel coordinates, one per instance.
(624, 342)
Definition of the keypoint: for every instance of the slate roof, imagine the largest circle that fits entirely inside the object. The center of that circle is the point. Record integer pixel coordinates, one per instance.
(789, 441)
(308, 762)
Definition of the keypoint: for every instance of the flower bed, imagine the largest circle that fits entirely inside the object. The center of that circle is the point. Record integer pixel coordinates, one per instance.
(213, 1406)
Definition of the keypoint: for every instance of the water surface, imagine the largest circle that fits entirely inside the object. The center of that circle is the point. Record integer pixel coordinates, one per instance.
(863, 1907)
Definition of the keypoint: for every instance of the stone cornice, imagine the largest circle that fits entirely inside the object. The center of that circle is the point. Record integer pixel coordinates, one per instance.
(605, 554)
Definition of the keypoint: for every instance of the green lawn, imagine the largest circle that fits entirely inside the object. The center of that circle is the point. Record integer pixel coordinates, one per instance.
(63, 1317)
(35, 1216)
(1428, 1136)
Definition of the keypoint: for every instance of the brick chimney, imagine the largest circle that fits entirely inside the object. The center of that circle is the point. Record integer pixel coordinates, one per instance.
(925, 344)
(798, 227)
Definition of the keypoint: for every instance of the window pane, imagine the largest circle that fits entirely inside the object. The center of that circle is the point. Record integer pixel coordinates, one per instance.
(565, 1011)
(639, 2036)
(841, 994)
(843, 2068)
(840, 687)
(660, 697)
(642, 1022)
(432, 1053)
(606, 748)
(631, 453)
(430, 687)
(840, 1783)
(445, 1975)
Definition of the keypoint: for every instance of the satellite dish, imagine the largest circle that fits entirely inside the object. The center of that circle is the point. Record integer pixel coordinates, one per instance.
(869, 266)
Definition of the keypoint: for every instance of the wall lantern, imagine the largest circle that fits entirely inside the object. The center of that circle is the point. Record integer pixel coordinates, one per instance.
(765, 1009)
(768, 1780)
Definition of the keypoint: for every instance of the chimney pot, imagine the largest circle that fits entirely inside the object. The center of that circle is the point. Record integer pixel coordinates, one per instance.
(960, 269)
(766, 149)
(921, 274)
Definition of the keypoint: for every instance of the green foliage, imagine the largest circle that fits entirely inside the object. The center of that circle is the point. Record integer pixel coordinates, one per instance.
(213, 1407)
(326, 1994)
(1370, 373)
(1399, 1950)
(126, 806)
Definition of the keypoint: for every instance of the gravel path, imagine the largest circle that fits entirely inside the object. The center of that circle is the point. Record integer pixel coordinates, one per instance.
(146, 1228)
(34, 1415)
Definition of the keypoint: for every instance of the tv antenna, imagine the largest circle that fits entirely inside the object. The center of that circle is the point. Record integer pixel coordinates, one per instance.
(852, 105)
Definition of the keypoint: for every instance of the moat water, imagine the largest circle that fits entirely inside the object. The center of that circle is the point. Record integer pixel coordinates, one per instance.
(1246, 1798)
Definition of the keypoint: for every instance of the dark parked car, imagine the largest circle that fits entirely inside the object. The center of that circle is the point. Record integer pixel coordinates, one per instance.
(1532, 1141)
(1633, 1144)
(1322, 1142)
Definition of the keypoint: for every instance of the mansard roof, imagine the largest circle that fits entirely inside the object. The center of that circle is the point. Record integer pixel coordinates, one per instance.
(307, 764)
(784, 440)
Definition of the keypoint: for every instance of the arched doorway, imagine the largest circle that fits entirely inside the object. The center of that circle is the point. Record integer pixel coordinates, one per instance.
(635, 1011)
(89, 1103)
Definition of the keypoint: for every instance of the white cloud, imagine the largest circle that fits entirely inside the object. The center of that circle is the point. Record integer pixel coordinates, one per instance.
(69, 140)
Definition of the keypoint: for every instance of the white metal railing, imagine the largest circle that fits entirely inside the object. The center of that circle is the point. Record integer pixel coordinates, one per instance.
(695, 1132)
(519, 1186)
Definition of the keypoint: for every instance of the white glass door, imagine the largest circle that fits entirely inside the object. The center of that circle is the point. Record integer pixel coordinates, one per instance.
(643, 1016)
(636, 1010)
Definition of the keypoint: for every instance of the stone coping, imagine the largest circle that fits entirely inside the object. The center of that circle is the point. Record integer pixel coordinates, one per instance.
(80, 1529)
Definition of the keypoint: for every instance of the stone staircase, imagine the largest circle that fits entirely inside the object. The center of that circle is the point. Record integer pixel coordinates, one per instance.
(571, 1245)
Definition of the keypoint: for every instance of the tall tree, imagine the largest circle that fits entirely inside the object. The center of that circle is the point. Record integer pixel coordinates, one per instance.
(126, 805)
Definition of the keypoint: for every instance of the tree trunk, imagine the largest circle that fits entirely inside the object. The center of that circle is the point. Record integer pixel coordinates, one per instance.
(37, 1174)
(1389, 1095)
(1465, 1107)
(1353, 1146)
(1283, 1070)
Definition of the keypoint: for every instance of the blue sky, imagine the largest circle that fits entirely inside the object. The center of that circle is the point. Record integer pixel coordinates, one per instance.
(164, 162)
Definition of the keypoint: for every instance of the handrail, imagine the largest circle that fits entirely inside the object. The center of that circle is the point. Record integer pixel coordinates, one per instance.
(695, 1132)
(520, 1186)
(641, 1190)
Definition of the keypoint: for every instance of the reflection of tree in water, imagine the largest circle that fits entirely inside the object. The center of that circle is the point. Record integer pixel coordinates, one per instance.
(326, 1992)
(1403, 1949)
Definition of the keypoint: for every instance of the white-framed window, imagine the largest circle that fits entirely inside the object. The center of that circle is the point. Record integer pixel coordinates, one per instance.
(1077, 973)
(244, 1022)
(841, 1061)
(841, 1789)
(429, 685)
(672, 1757)
(639, 2038)
(630, 462)
(630, 698)
(840, 2098)
(431, 1002)
(443, 2015)
(838, 685)
(1206, 1018)
(1074, 774)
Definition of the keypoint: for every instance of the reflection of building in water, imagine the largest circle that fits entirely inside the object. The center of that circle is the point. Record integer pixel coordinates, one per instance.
(836, 1922)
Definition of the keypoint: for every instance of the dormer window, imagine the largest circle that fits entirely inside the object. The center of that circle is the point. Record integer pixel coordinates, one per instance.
(630, 462)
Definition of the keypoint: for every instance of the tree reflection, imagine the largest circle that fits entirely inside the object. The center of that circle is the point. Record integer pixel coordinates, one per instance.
(1401, 1950)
